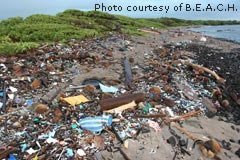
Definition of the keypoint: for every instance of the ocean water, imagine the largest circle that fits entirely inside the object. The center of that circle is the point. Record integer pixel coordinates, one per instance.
(229, 32)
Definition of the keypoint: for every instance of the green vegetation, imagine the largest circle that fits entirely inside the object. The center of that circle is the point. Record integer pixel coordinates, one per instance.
(18, 35)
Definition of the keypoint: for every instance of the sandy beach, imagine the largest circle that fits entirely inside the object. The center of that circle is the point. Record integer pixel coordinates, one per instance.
(154, 145)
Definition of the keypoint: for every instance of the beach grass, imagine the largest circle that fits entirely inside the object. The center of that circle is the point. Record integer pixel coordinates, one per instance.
(18, 35)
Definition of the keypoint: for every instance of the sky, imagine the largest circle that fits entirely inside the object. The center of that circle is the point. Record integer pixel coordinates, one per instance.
(23, 8)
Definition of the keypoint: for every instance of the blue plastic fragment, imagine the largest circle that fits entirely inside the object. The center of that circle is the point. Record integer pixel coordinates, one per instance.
(69, 152)
(107, 89)
(29, 102)
(74, 126)
(95, 124)
(81, 106)
(52, 133)
(23, 147)
(12, 157)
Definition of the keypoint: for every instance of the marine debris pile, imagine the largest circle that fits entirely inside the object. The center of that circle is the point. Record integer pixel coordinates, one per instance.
(92, 99)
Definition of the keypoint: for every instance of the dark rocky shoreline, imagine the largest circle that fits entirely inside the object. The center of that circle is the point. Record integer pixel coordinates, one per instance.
(226, 64)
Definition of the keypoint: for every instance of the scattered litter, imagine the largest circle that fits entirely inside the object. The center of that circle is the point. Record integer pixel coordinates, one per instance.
(203, 39)
(154, 125)
(69, 152)
(165, 86)
(81, 153)
(12, 157)
(30, 151)
(107, 89)
(95, 124)
(3, 68)
(24, 147)
(13, 89)
(51, 140)
(94, 82)
(76, 100)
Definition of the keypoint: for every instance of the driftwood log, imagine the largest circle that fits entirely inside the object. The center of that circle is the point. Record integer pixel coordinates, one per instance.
(184, 131)
(209, 148)
(108, 104)
(198, 67)
(185, 116)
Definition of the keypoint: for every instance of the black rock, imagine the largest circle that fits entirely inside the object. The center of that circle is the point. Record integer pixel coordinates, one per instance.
(232, 140)
(238, 130)
(171, 140)
(226, 145)
(238, 152)
(183, 143)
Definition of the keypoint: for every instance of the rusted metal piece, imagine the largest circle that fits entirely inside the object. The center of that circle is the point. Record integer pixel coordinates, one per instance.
(128, 73)
(161, 115)
(110, 103)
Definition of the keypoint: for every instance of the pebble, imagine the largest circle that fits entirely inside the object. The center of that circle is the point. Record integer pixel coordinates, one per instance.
(17, 125)
(41, 108)
(36, 84)
(155, 90)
